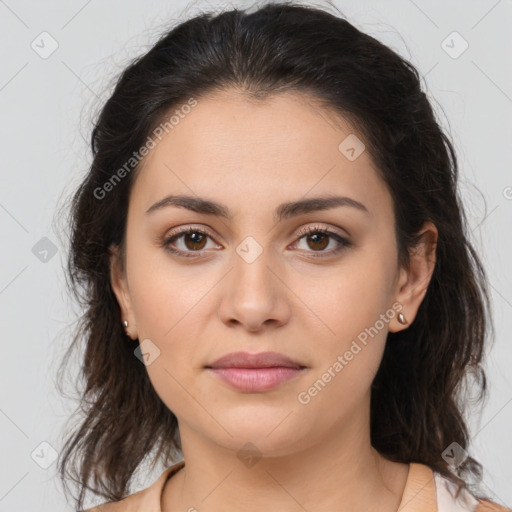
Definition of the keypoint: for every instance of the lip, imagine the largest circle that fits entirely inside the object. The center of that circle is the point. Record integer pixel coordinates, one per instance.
(258, 360)
(256, 380)
(255, 373)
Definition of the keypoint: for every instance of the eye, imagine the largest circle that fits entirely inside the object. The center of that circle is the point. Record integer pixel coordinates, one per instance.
(319, 240)
(194, 240)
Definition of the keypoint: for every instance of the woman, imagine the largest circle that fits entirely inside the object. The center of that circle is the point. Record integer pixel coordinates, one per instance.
(278, 280)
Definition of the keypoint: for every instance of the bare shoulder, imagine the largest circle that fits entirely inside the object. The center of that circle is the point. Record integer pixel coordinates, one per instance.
(490, 506)
(147, 499)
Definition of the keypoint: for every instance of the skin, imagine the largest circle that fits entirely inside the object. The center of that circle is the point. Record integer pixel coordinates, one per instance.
(251, 157)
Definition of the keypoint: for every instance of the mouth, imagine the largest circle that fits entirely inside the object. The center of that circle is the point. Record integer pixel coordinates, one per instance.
(255, 373)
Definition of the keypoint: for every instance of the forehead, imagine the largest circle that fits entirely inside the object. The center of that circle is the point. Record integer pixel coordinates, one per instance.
(242, 151)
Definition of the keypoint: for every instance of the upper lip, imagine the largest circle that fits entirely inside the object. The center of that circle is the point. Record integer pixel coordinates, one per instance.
(259, 360)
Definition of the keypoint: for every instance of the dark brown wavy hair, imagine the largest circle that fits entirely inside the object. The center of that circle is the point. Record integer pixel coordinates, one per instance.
(420, 393)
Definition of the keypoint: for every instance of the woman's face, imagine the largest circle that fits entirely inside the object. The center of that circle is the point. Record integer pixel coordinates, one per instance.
(257, 281)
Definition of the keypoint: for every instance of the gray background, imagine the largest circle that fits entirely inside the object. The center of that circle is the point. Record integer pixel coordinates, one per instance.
(47, 105)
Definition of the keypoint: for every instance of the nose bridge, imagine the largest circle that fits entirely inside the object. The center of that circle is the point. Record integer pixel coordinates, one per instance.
(251, 273)
(254, 293)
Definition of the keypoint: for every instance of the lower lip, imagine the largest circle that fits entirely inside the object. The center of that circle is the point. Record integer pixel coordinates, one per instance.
(255, 380)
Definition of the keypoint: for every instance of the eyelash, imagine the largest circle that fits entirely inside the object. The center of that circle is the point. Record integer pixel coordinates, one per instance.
(310, 230)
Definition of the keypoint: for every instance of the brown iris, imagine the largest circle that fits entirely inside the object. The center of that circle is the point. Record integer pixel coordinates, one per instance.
(197, 241)
(319, 244)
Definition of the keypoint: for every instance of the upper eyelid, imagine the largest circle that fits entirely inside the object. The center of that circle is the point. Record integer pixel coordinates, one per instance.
(189, 228)
(306, 229)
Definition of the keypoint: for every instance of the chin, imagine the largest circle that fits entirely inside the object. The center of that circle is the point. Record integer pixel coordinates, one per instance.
(267, 431)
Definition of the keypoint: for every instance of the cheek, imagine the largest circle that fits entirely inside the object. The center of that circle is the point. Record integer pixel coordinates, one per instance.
(166, 304)
(350, 325)
(348, 299)
(164, 295)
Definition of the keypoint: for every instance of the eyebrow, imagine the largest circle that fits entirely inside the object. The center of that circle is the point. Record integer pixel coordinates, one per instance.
(282, 212)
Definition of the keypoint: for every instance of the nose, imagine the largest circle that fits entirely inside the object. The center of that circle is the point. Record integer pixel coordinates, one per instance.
(254, 294)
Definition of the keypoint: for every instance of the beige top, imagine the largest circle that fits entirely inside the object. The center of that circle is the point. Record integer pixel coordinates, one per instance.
(425, 491)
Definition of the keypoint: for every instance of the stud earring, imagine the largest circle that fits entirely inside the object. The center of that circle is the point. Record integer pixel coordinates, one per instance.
(125, 324)
(401, 318)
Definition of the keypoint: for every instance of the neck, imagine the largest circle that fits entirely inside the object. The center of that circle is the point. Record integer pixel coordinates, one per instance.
(343, 473)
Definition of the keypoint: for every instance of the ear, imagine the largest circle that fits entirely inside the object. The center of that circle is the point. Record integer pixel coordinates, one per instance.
(412, 283)
(120, 287)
